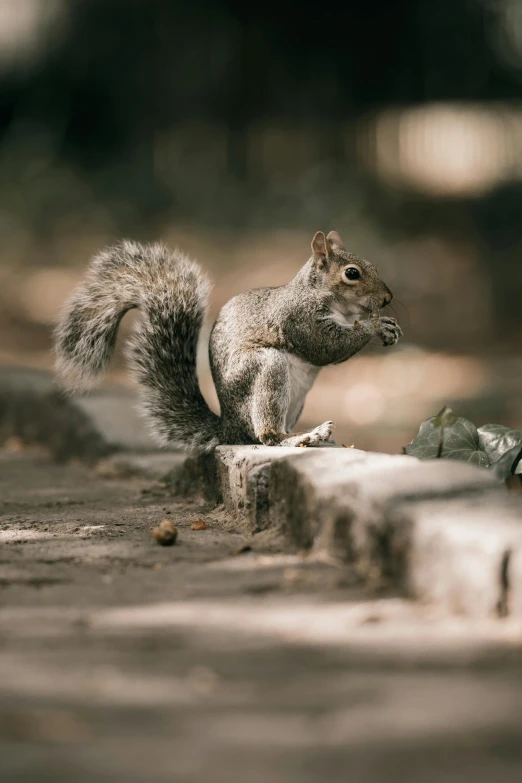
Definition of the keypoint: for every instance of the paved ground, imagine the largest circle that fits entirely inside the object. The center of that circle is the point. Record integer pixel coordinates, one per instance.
(124, 661)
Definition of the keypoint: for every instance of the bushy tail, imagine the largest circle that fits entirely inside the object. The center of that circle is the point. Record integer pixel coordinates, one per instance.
(172, 293)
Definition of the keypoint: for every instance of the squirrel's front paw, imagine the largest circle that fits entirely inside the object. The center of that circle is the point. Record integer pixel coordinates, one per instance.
(388, 330)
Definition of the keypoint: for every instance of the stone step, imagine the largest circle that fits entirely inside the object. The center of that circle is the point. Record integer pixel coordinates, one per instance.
(446, 532)
(34, 409)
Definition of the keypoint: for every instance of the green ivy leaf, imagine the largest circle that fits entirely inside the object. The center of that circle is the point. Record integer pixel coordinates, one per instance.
(444, 418)
(426, 444)
(504, 466)
(460, 441)
(501, 444)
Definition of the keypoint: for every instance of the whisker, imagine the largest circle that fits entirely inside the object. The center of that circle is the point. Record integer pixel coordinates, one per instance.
(404, 308)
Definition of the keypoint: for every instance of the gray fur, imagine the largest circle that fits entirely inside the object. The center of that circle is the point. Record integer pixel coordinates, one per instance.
(172, 293)
(266, 347)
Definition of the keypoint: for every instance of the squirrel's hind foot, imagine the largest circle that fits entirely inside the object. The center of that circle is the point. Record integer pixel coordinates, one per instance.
(318, 435)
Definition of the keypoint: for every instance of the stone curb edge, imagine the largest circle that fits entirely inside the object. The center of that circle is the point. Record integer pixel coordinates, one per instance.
(445, 532)
(34, 409)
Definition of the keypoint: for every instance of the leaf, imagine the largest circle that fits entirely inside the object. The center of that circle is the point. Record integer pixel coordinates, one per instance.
(504, 466)
(444, 418)
(514, 483)
(426, 444)
(460, 441)
(501, 444)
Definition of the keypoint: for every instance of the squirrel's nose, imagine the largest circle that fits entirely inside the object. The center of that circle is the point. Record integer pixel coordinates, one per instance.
(388, 296)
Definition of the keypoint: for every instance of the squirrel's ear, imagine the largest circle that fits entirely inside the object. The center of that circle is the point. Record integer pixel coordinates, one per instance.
(334, 240)
(320, 248)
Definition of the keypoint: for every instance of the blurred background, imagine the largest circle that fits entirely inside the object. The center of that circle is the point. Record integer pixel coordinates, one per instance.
(236, 131)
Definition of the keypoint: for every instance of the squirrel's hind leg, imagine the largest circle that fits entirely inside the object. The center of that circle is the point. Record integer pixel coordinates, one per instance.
(270, 397)
(270, 403)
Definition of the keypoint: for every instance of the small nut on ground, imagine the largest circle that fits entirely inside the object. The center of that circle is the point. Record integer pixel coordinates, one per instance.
(165, 534)
(198, 524)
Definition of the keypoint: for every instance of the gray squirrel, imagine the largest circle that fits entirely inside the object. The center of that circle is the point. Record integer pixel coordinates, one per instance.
(267, 345)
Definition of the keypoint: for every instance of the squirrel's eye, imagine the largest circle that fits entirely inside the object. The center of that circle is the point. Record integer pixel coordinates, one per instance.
(352, 273)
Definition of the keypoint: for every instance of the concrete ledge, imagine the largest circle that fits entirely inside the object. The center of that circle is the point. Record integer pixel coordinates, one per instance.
(464, 553)
(445, 532)
(244, 475)
(34, 409)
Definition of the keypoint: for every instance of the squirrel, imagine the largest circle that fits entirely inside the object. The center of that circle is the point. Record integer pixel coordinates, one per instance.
(267, 345)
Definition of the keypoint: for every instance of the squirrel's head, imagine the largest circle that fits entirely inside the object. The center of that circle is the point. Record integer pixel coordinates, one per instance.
(355, 283)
